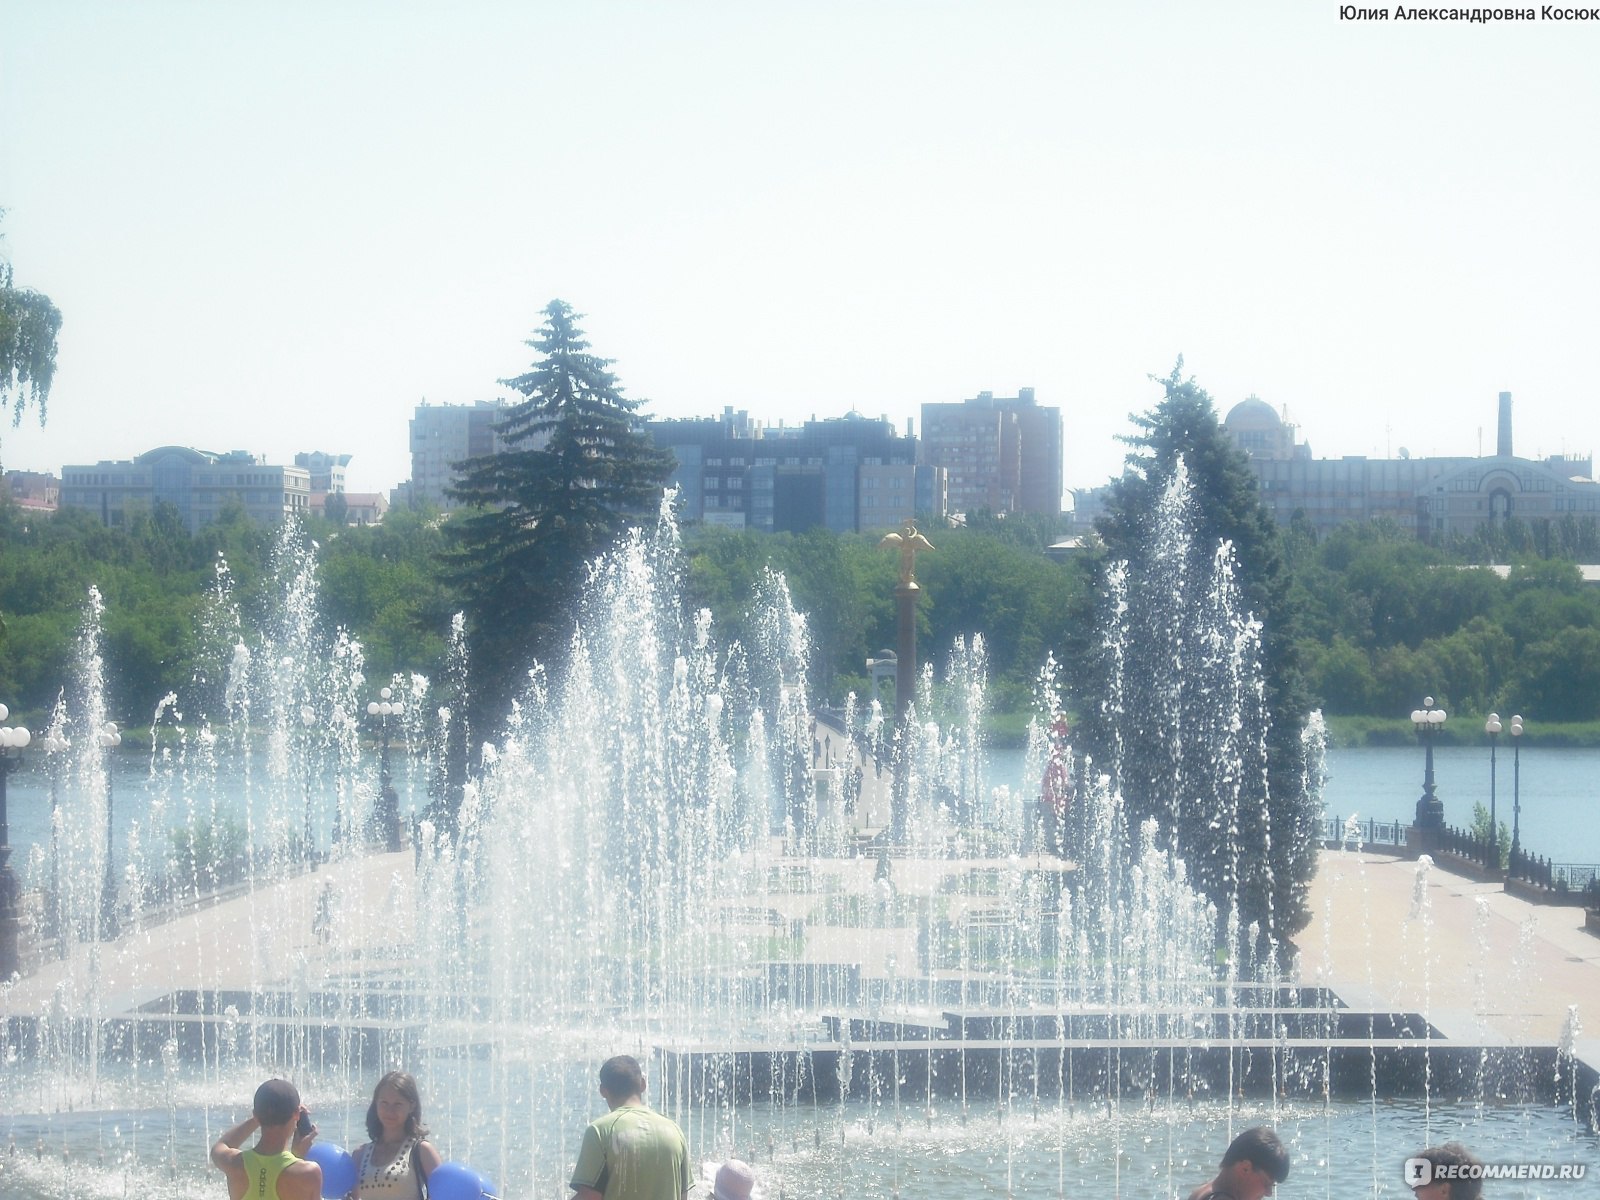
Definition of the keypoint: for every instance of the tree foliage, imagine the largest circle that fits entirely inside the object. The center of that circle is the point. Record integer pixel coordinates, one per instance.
(1183, 688)
(1023, 604)
(29, 323)
(381, 582)
(1388, 619)
(575, 471)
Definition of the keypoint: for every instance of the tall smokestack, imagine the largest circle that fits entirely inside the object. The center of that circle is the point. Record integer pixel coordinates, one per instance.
(1503, 448)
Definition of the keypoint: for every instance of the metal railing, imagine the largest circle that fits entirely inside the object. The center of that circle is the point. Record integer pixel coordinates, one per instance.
(1355, 831)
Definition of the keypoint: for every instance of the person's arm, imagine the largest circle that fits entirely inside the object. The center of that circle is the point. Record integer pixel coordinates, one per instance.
(428, 1158)
(225, 1154)
(300, 1181)
(589, 1175)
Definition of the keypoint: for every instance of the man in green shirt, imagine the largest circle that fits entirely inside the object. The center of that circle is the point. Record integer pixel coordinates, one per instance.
(630, 1153)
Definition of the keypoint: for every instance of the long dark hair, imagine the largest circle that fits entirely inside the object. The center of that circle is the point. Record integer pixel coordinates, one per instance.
(407, 1087)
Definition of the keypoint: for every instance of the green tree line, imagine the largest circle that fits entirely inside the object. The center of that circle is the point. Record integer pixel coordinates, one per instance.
(1382, 617)
(382, 582)
(1385, 618)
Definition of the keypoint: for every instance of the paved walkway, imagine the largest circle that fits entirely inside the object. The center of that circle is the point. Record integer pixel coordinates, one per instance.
(236, 945)
(1479, 962)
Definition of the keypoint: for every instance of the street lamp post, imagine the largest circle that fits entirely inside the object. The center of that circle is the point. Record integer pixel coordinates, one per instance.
(1516, 786)
(388, 800)
(1428, 721)
(108, 737)
(13, 738)
(1492, 728)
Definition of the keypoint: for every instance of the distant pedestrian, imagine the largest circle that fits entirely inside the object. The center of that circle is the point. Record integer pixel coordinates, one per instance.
(1254, 1163)
(631, 1153)
(322, 922)
(1424, 1179)
(271, 1169)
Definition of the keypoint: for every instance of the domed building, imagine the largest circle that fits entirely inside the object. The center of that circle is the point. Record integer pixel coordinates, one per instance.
(1260, 432)
(1433, 497)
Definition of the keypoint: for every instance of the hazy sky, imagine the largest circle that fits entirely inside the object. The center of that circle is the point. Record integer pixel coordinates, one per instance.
(277, 227)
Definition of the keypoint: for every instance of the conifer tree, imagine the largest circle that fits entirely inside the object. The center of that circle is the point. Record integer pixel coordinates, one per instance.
(1172, 774)
(574, 470)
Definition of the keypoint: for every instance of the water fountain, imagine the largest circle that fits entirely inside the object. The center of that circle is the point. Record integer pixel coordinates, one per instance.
(652, 860)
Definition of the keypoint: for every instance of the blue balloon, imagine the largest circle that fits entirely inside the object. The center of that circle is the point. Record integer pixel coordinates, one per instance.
(338, 1168)
(454, 1181)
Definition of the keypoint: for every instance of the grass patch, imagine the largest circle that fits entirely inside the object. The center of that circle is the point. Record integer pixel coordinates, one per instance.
(1467, 730)
(1007, 730)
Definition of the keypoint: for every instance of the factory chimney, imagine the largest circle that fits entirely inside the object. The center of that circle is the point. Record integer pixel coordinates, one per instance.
(1503, 448)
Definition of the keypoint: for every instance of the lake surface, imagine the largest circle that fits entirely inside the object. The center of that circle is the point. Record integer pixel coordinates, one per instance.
(1559, 789)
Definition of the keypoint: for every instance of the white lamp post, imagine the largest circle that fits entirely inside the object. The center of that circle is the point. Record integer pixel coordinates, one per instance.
(1429, 721)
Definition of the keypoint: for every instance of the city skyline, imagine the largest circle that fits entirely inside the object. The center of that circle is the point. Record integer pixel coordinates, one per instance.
(280, 229)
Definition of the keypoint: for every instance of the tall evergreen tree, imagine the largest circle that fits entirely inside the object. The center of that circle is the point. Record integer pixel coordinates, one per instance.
(1175, 774)
(576, 469)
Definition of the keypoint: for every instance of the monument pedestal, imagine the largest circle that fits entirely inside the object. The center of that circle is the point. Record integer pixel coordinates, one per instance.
(1423, 839)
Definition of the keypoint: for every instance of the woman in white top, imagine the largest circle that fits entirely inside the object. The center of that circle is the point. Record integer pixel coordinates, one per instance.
(396, 1163)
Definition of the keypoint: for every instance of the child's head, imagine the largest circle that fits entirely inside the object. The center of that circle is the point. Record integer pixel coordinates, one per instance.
(277, 1102)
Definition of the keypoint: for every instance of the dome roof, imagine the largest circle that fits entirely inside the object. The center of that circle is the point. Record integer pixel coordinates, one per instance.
(1253, 413)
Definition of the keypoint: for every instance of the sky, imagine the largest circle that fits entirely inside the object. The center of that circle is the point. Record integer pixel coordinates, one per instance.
(279, 227)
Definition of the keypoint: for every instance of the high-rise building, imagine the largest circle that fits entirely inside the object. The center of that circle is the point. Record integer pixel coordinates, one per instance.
(846, 473)
(442, 437)
(198, 483)
(1002, 453)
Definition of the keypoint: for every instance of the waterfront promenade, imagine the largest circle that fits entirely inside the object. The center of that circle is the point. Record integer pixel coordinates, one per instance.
(267, 939)
(1481, 964)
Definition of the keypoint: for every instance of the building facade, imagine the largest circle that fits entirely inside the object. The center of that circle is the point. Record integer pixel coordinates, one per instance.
(442, 437)
(1433, 498)
(1003, 454)
(326, 470)
(35, 491)
(197, 483)
(846, 474)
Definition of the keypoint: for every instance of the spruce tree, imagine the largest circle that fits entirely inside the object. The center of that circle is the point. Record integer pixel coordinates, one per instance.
(575, 469)
(1176, 774)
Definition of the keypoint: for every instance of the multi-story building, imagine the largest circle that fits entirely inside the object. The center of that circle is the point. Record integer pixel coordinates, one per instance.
(1002, 453)
(442, 437)
(197, 483)
(846, 473)
(36, 491)
(1434, 497)
(327, 470)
